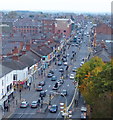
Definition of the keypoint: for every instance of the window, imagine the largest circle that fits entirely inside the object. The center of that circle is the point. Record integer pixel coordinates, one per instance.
(2, 83)
(64, 30)
(8, 88)
(2, 92)
(15, 77)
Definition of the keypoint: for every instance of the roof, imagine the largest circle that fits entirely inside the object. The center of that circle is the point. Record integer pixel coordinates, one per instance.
(29, 59)
(4, 70)
(103, 54)
(13, 64)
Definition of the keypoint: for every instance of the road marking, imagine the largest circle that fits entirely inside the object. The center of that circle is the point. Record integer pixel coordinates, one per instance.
(24, 113)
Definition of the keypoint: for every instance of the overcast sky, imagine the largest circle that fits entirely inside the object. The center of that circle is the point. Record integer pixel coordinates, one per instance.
(57, 5)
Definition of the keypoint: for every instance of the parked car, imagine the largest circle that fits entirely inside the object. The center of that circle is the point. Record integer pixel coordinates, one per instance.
(83, 115)
(42, 83)
(74, 69)
(53, 108)
(54, 78)
(34, 104)
(42, 94)
(24, 104)
(72, 76)
(64, 92)
(49, 75)
(39, 88)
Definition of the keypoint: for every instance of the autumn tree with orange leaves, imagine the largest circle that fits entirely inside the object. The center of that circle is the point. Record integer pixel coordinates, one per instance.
(95, 80)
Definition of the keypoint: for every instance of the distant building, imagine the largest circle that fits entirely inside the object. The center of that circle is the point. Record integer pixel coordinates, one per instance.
(63, 26)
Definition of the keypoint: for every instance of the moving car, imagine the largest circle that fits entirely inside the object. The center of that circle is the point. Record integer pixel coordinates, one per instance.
(49, 75)
(42, 94)
(42, 83)
(39, 88)
(51, 71)
(53, 108)
(64, 92)
(61, 69)
(72, 76)
(34, 104)
(61, 81)
(24, 104)
(54, 78)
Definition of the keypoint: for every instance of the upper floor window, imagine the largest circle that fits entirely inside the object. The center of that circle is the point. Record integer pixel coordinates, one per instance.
(15, 77)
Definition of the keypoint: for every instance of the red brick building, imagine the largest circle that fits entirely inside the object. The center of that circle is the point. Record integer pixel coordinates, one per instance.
(63, 26)
(104, 28)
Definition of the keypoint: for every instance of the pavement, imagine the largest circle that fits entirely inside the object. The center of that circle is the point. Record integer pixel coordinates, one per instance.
(15, 102)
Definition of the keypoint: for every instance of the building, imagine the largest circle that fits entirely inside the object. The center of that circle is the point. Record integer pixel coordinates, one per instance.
(63, 26)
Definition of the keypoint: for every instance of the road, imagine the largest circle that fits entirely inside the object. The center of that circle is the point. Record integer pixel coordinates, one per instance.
(32, 95)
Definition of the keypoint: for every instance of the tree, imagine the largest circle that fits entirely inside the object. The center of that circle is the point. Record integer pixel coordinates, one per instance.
(96, 85)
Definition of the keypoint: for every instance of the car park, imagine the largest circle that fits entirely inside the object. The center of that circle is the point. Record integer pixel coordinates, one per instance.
(72, 76)
(34, 104)
(24, 104)
(53, 109)
(53, 78)
(39, 88)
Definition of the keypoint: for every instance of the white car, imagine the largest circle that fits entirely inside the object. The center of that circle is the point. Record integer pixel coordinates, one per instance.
(65, 63)
(72, 76)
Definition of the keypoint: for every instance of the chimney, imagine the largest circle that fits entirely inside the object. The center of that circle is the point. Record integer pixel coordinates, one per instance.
(21, 45)
(27, 47)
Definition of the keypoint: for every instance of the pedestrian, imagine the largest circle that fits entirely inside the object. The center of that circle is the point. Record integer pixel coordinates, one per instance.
(34, 85)
(16, 101)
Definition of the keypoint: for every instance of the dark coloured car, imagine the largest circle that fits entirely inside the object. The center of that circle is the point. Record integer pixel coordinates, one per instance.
(53, 108)
(51, 71)
(34, 104)
(42, 94)
(39, 88)
(42, 83)
(64, 59)
(49, 75)
(54, 78)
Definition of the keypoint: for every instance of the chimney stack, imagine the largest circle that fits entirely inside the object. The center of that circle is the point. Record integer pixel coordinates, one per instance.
(28, 47)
